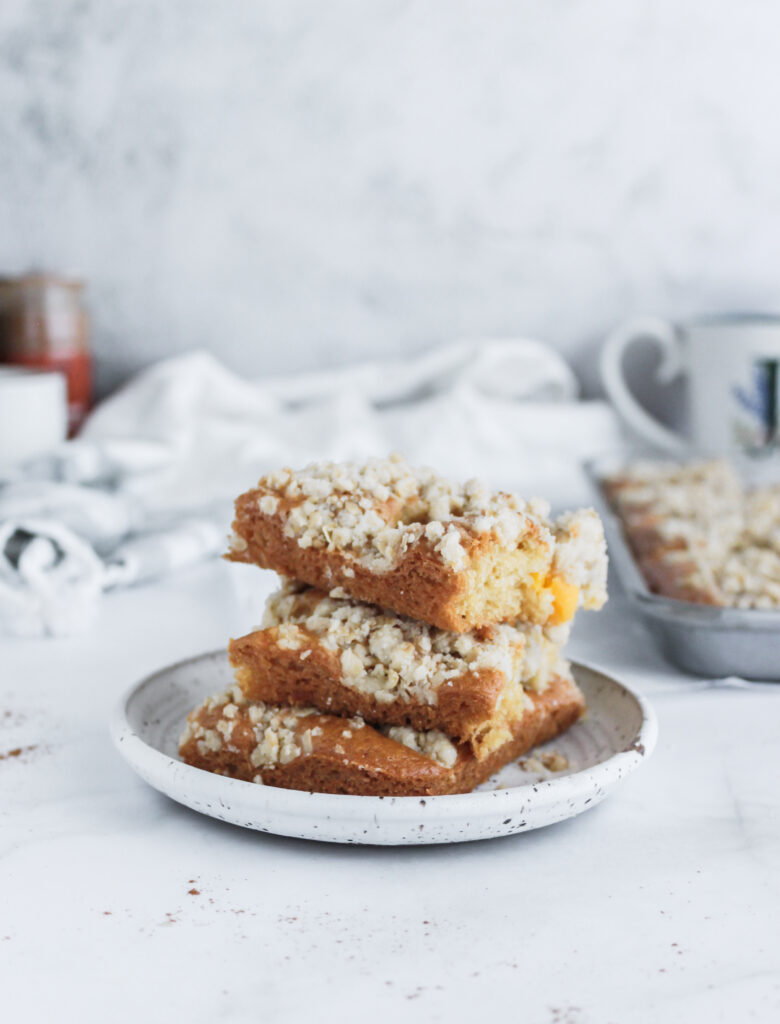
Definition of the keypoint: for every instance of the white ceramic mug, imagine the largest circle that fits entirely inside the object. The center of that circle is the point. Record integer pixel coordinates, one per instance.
(732, 366)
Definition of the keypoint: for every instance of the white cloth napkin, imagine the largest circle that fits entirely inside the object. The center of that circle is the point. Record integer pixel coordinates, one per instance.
(147, 487)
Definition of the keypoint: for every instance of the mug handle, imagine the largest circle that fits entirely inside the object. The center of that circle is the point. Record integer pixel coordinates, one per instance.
(665, 336)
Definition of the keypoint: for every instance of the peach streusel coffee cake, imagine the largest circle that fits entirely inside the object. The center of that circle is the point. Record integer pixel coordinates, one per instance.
(698, 534)
(456, 556)
(303, 748)
(416, 647)
(351, 658)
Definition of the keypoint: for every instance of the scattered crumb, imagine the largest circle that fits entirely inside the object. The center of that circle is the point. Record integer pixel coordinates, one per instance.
(18, 751)
(554, 761)
(548, 760)
(193, 892)
(13, 718)
(565, 1015)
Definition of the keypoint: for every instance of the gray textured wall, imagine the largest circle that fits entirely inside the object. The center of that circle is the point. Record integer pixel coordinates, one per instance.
(296, 183)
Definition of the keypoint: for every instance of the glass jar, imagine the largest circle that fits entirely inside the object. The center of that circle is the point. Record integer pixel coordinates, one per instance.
(43, 324)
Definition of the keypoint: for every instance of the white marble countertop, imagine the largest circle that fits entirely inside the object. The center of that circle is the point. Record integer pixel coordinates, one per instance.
(117, 904)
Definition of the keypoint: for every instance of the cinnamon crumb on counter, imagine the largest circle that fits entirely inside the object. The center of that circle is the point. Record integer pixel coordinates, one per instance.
(18, 751)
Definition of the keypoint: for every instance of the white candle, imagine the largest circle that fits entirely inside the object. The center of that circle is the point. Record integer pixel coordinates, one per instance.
(33, 413)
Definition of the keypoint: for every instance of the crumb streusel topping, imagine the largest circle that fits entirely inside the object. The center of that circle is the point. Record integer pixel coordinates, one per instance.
(280, 739)
(730, 535)
(376, 511)
(433, 744)
(392, 657)
(275, 728)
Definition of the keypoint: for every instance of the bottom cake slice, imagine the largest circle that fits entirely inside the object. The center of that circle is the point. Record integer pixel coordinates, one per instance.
(301, 748)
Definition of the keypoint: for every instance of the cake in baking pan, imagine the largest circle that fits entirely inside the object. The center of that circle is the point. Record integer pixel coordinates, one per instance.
(699, 534)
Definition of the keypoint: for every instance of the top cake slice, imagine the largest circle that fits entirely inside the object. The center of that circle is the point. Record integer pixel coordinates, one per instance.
(456, 556)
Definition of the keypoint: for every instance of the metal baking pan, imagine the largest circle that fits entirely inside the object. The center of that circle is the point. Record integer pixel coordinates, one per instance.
(701, 639)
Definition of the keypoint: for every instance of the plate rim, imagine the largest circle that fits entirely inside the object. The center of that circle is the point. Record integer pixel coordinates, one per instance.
(351, 807)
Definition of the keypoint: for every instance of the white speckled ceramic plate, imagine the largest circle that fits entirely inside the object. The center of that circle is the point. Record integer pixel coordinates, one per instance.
(618, 733)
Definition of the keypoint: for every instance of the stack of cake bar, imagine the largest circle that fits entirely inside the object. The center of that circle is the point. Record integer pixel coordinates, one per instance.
(415, 644)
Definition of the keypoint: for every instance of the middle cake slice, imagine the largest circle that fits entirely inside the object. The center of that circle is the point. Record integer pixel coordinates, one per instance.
(350, 658)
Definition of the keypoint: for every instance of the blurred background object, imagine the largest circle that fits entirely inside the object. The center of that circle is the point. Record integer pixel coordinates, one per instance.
(315, 231)
(294, 185)
(33, 413)
(729, 365)
(44, 326)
